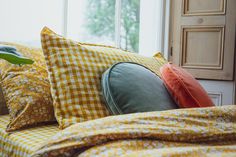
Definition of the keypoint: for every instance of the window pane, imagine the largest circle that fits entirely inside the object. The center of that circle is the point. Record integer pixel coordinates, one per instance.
(151, 27)
(92, 21)
(130, 25)
(22, 20)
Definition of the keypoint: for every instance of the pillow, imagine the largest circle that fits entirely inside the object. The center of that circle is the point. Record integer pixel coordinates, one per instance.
(186, 91)
(75, 73)
(3, 106)
(131, 88)
(26, 89)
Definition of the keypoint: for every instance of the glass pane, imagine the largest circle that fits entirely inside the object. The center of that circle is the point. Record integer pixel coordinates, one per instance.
(92, 21)
(22, 21)
(151, 27)
(130, 25)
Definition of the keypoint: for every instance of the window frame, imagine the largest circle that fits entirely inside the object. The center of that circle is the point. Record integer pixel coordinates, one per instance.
(65, 17)
(161, 43)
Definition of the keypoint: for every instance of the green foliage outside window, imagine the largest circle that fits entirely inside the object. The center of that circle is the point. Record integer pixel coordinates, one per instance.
(101, 21)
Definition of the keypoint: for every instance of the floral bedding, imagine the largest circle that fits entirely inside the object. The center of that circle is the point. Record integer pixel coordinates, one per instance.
(183, 132)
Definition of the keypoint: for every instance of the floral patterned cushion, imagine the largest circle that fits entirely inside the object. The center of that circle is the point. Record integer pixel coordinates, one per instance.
(26, 89)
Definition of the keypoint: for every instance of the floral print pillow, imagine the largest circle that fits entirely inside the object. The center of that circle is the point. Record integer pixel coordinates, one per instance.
(26, 89)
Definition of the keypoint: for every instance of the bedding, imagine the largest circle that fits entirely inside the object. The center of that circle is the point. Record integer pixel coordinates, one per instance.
(201, 132)
(3, 106)
(26, 90)
(23, 143)
(75, 71)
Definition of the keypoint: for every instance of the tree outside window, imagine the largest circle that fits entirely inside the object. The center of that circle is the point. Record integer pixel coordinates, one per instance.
(101, 21)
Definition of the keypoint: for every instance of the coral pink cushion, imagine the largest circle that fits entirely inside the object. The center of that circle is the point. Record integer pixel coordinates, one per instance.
(185, 89)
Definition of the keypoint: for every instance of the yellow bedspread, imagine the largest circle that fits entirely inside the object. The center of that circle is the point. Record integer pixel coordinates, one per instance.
(23, 143)
(183, 132)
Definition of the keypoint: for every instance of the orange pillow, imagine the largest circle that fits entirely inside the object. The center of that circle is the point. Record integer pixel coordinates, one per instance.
(185, 89)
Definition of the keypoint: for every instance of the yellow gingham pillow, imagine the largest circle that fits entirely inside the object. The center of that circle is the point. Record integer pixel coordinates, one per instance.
(26, 89)
(75, 71)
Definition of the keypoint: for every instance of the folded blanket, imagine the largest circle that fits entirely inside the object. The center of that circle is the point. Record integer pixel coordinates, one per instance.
(181, 132)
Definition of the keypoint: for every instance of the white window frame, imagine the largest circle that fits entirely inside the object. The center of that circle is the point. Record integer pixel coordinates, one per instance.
(65, 17)
(166, 29)
(118, 23)
(158, 39)
(154, 27)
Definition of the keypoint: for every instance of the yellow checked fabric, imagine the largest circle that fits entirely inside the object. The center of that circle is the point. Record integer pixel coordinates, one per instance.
(26, 89)
(75, 72)
(182, 132)
(23, 143)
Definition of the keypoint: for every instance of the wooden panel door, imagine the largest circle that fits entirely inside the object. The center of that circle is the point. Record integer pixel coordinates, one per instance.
(203, 37)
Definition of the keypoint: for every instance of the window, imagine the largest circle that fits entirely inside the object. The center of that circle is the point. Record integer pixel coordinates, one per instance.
(97, 21)
(134, 25)
(91, 21)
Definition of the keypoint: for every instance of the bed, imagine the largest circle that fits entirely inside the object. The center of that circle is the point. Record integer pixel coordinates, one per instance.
(202, 131)
(207, 131)
(25, 142)
(185, 132)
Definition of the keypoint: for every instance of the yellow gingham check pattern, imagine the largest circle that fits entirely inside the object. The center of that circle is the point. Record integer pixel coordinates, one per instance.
(75, 71)
(23, 143)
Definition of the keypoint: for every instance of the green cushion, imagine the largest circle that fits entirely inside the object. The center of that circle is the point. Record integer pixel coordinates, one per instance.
(130, 87)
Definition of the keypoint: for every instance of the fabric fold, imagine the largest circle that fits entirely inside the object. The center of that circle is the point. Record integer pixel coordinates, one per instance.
(208, 126)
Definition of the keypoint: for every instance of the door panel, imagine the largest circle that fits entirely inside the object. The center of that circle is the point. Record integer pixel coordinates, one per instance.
(216, 98)
(204, 7)
(204, 45)
(221, 92)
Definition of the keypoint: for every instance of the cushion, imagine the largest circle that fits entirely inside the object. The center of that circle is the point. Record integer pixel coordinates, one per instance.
(3, 106)
(26, 89)
(131, 88)
(185, 89)
(75, 74)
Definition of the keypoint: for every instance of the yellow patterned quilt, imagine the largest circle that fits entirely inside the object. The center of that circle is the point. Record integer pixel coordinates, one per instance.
(183, 132)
